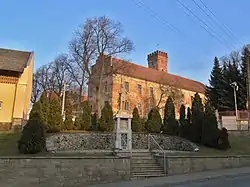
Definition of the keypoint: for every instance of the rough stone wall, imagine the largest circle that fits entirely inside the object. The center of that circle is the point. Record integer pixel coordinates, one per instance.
(188, 164)
(70, 172)
(79, 141)
(94, 141)
(134, 98)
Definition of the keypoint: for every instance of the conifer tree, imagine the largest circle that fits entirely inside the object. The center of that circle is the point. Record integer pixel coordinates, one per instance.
(231, 74)
(136, 124)
(154, 121)
(68, 122)
(213, 91)
(44, 109)
(189, 115)
(170, 125)
(36, 111)
(245, 60)
(210, 131)
(182, 114)
(94, 121)
(85, 117)
(54, 117)
(197, 116)
(106, 122)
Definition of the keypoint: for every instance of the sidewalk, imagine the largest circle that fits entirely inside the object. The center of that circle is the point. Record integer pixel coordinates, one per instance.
(180, 179)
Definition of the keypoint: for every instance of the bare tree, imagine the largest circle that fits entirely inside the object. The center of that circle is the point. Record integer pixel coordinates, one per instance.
(99, 37)
(51, 77)
(60, 73)
(36, 88)
(83, 53)
(176, 94)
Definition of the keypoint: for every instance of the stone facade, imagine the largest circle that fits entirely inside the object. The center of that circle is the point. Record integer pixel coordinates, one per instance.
(62, 171)
(99, 141)
(126, 85)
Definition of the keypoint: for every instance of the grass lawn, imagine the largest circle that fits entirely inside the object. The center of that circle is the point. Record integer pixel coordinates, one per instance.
(240, 145)
(8, 143)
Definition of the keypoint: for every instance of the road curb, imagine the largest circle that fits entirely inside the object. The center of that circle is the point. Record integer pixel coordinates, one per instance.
(200, 180)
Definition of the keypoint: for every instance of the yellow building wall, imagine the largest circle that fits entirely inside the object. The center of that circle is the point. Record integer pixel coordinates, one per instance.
(7, 94)
(24, 91)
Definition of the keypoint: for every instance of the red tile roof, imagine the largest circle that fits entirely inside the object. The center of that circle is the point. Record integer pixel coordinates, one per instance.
(152, 75)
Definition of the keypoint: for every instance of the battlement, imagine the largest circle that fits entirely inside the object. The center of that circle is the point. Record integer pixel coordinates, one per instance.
(157, 52)
(158, 60)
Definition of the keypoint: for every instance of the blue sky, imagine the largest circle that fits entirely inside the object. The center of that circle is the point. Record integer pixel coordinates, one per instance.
(46, 27)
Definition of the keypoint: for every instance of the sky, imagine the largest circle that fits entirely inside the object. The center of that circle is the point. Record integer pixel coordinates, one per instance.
(47, 26)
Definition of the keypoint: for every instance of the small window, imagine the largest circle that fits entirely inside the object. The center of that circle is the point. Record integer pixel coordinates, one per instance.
(139, 89)
(126, 107)
(126, 85)
(1, 105)
(123, 105)
(140, 108)
(151, 91)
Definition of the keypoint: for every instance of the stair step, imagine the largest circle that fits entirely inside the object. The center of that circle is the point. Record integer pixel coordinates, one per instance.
(145, 165)
(143, 161)
(148, 175)
(146, 170)
(143, 158)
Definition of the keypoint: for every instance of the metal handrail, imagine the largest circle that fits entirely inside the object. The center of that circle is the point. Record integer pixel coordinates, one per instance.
(162, 150)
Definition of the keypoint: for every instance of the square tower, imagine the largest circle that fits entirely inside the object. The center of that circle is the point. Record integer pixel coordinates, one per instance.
(158, 60)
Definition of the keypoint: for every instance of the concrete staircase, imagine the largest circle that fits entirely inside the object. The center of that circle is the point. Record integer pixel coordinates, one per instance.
(145, 166)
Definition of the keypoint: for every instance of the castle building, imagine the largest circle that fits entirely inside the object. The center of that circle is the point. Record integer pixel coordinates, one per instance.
(16, 72)
(126, 85)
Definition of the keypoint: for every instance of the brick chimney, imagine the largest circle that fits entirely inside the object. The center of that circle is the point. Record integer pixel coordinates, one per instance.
(158, 60)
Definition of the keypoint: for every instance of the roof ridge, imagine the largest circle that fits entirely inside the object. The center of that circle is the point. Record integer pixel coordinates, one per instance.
(17, 50)
(151, 69)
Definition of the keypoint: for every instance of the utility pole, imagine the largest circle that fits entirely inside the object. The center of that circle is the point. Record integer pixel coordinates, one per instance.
(248, 88)
(63, 100)
(235, 87)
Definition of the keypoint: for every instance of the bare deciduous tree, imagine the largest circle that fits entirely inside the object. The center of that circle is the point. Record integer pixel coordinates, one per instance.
(36, 88)
(175, 93)
(98, 37)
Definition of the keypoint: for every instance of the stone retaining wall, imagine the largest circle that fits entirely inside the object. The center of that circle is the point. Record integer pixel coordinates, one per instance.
(104, 141)
(190, 164)
(62, 171)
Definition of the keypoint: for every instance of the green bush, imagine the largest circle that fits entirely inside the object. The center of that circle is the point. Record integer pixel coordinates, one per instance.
(45, 107)
(189, 115)
(209, 127)
(197, 117)
(154, 121)
(94, 121)
(223, 142)
(36, 111)
(68, 122)
(32, 140)
(54, 116)
(170, 125)
(85, 118)
(106, 121)
(136, 123)
(182, 114)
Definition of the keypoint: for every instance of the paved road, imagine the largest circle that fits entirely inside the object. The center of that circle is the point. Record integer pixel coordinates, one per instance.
(239, 181)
